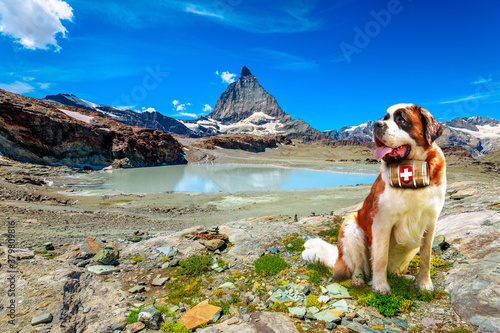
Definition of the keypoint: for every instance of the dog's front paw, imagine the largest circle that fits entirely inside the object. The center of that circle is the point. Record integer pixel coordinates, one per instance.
(358, 282)
(425, 285)
(382, 288)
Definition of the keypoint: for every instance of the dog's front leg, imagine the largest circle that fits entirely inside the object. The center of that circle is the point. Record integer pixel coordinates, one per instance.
(424, 276)
(380, 253)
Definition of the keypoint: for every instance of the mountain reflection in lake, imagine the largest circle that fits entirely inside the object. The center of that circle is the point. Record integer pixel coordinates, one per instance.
(222, 177)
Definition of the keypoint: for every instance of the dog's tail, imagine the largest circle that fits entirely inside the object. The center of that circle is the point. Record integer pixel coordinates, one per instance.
(318, 250)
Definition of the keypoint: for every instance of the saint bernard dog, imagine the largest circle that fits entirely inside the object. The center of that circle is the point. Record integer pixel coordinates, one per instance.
(394, 223)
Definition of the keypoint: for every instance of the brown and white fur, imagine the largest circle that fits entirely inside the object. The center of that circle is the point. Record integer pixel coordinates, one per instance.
(394, 223)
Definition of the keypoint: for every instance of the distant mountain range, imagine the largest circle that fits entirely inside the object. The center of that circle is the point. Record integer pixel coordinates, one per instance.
(479, 135)
(245, 107)
(154, 119)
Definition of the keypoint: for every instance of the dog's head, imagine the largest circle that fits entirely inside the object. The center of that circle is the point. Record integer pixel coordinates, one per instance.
(406, 132)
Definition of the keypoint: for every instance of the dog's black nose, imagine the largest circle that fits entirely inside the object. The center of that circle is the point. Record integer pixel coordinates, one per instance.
(378, 124)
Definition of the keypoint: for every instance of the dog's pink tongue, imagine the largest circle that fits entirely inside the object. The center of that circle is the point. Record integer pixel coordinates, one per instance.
(380, 152)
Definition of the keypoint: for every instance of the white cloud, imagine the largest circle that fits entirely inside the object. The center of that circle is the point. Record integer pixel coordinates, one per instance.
(216, 72)
(185, 114)
(34, 24)
(17, 87)
(228, 77)
(126, 107)
(207, 108)
(150, 109)
(468, 98)
(28, 78)
(175, 102)
(44, 85)
(181, 107)
(194, 9)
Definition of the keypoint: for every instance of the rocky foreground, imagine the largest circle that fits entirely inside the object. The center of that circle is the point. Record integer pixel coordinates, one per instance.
(210, 280)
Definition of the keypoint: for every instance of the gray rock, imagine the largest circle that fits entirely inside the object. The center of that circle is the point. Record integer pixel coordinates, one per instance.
(159, 281)
(401, 323)
(337, 289)
(83, 263)
(136, 289)
(358, 328)
(43, 318)
(150, 316)
(214, 244)
(102, 269)
(474, 287)
(330, 325)
(87, 309)
(326, 316)
(437, 243)
(273, 250)
(49, 246)
(297, 312)
(340, 305)
(168, 251)
(105, 257)
(227, 285)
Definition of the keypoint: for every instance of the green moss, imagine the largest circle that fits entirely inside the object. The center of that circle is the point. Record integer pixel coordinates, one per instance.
(294, 243)
(317, 271)
(223, 305)
(269, 265)
(195, 265)
(132, 316)
(332, 234)
(172, 327)
(312, 300)
(402, 297)
(136, 259)
(184, 291)
(461, 330)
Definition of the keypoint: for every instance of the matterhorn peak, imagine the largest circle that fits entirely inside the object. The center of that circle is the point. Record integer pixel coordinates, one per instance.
(245, 72)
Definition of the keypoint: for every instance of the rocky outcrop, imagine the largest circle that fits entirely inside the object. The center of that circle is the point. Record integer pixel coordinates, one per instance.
(42, 132)
(455, 150)
(474, 283)
(250, 143)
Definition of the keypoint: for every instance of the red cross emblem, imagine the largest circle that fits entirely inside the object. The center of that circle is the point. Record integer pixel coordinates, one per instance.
(406, 174)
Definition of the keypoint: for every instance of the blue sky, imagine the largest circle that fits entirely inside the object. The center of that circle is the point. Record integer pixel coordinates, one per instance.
(331, 63)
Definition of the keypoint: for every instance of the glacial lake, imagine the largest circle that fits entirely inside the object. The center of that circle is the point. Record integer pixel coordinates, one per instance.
(217, 178)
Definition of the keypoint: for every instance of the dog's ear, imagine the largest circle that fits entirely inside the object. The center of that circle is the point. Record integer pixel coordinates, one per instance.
(432, 130)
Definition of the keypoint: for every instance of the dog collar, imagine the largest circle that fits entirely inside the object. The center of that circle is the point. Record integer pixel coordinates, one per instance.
(409, 174)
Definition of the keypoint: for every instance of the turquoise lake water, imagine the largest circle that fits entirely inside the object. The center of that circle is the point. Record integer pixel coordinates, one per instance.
(221, 178)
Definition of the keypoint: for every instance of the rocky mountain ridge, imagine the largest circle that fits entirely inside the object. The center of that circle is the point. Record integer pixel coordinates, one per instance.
(43, 132)
(148, 119)
(478, 135)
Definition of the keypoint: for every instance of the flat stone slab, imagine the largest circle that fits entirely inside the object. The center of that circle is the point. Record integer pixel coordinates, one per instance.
(337, 289)
(102, 269)
(255, 322)
(326, 316)
(136, 289)
(159, 281)
(43, 318)
(297, 312)
(169, 251)
(202, 313)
